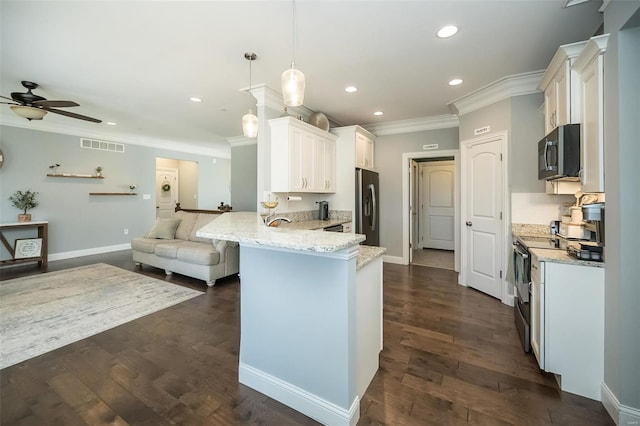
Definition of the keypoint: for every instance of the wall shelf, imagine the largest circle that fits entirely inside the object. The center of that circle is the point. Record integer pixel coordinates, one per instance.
(74, 175)
(113, 193)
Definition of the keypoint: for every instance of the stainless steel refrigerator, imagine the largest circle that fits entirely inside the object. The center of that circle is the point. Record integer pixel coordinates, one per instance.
(367, 206)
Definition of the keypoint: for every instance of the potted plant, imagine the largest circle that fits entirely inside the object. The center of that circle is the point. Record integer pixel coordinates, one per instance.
(99, 171)
(24, 201)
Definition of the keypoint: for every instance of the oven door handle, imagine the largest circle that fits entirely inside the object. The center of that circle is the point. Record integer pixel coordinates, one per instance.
(519, 251)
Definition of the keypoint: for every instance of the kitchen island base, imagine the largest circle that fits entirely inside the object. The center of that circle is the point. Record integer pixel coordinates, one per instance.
(299, 339)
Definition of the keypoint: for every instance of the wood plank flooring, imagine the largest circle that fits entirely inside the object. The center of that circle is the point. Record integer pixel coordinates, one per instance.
(451, 357)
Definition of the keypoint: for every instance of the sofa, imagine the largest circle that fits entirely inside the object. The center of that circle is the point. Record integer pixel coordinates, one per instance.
(172, 245)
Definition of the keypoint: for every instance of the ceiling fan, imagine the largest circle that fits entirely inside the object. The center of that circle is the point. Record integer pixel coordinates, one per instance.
(33, 107)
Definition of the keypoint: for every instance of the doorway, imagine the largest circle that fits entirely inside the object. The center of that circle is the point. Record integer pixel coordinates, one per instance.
(434, 213)
(414, 188)
(176, 181)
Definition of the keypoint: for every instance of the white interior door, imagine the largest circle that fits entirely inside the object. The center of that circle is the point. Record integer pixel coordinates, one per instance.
(413, 225)
(437, 201)
(482, 215)
(166, 199)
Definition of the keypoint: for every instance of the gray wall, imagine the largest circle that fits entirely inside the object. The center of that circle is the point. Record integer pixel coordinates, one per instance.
(78, 221)
(244, 178)
(527, 128)
(621, 112)
(497, 115)
(388, 162)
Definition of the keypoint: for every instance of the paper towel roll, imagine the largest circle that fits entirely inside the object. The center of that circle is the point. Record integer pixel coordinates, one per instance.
(292, 198)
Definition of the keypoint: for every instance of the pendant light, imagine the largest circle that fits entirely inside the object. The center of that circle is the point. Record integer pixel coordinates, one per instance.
(293, 79)
(249, 120)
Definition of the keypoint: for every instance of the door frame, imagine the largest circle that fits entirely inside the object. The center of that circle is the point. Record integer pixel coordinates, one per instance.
(503, 137)
(406, 215)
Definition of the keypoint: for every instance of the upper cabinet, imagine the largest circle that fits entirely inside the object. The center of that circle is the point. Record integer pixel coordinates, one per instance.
(303, 157)
(560, 86)
(589, 66)
(364, 150)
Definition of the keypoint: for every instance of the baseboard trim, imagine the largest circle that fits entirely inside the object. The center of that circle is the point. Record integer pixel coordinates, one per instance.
(393, 259)
(87, 252)
(308, 404)
(622, 415)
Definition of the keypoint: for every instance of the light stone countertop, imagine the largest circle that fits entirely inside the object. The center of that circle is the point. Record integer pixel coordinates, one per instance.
(561, 256)
(311, 224)
(368, 254)
(248, 227)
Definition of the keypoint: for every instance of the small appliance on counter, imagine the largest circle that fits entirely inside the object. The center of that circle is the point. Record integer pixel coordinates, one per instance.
(323, 210)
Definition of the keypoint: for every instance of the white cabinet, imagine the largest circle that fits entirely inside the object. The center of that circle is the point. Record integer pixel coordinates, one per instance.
(364, 151)
(567, 324)
(560, 86)
(303, 157)
(561, 187)
(590, 68)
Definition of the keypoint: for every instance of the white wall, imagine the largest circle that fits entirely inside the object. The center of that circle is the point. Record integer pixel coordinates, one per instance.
(78, 221)
(388, 163)
(622, 150)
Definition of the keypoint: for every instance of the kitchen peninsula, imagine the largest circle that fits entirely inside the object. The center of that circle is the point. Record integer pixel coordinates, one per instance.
(311, 314)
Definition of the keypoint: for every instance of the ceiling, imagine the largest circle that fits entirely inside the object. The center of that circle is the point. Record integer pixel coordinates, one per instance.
(137, 63)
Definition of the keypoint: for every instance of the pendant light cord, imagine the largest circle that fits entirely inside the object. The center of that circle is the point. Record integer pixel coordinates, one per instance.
(293, 32)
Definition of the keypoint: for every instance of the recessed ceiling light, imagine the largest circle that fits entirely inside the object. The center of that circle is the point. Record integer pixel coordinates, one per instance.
(447, 31)
(351, 89)
(455, 82)
(378, 113)
(111, 123)
(194, 99)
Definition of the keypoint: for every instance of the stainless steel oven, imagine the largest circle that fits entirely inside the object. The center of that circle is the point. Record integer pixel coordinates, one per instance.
(522, 311)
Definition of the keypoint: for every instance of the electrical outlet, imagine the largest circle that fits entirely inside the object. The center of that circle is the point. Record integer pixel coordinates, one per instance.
(126, 231)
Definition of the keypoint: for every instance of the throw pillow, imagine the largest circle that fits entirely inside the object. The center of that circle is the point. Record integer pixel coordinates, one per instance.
(164, 229)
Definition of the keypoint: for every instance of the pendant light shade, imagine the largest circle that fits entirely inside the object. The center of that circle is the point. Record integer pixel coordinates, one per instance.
(293, 83)
(292, 79)
(249, 125)
(249, 120)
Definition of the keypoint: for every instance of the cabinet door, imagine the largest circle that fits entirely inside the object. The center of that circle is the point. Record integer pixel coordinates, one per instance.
(368, 157)
(330, 165)
(301, 151)
(591, 130)
(550, 108)
(537, 311)
(563, 96)
(361, 148)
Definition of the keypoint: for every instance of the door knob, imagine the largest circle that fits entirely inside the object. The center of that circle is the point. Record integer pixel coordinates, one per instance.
(468, 223)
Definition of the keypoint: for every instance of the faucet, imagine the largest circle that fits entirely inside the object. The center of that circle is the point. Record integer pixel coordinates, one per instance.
(269, 222)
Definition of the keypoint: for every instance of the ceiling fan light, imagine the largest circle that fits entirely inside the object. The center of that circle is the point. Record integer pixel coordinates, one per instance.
(30, 113)
(249, 125)
(293, 83)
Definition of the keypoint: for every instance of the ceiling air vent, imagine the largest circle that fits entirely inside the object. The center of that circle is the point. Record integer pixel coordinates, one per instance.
(101, 145)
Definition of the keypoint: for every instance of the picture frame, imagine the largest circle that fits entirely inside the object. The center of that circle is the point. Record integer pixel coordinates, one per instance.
(27, 247)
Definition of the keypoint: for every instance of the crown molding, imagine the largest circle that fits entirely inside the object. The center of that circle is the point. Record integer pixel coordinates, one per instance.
(413, 125)
(236, 141)
(595, 46)
(564, 53)
(198, 147)
(506, 87)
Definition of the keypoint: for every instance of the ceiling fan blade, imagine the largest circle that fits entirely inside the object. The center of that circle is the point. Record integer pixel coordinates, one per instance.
(72, 115)
(9, 99)
(9, 103)
(55, 104)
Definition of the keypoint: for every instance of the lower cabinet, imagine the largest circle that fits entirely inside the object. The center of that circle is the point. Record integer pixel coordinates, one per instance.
(567, 324)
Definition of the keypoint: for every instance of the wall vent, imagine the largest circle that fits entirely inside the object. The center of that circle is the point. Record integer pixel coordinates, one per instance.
(101, 145)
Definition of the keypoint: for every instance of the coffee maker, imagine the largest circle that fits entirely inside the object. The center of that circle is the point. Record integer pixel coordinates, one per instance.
(593, 216)
(323, 210)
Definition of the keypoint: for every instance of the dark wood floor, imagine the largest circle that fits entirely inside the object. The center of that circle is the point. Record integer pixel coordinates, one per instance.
(451, 357)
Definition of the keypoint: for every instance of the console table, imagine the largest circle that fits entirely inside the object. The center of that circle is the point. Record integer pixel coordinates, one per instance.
(42, 227)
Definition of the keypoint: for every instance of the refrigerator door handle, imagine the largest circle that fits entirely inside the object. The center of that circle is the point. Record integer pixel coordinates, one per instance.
(372, 188)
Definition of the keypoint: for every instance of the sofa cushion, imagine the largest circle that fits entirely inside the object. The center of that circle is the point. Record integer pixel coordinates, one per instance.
(187, 220)
(199, 254)
(164, 229)
(203, 219)
(147, 245)
(168, 250)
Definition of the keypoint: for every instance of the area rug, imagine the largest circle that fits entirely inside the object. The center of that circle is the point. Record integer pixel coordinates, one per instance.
(44, 312)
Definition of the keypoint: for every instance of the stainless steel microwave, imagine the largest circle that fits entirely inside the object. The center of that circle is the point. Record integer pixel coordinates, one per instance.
(559, 153)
